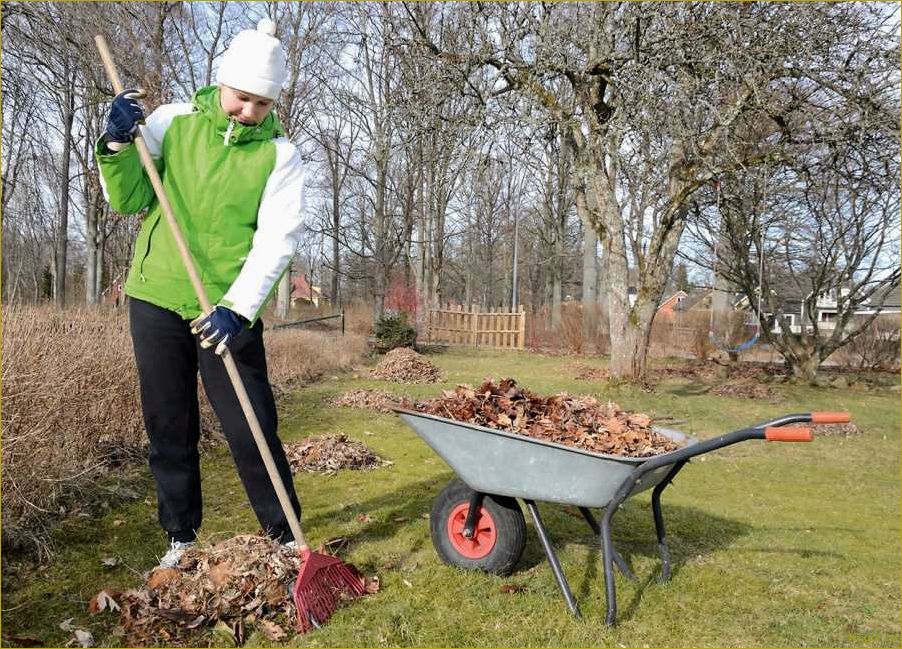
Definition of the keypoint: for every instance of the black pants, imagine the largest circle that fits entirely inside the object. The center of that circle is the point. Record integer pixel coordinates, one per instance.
(168, 357)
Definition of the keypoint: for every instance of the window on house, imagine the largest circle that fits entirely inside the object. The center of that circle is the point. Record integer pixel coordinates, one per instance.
(828, 316)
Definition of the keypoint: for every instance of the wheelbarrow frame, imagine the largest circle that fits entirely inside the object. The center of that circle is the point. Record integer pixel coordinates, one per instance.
(667, 465)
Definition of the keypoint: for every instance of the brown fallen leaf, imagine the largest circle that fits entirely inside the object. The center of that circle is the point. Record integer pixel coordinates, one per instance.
(513, 588)
(371, 584)
(161, 577)
(103, 601)
(24, 640)
(271, 630)
(220, 573)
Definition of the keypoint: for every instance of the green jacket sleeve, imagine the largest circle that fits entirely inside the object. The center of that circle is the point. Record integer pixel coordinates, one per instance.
(125, 183)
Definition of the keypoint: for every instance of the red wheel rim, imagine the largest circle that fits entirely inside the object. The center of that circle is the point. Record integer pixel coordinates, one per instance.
(484, 535)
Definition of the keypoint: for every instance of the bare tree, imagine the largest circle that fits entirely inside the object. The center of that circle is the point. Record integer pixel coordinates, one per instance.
(658, 100)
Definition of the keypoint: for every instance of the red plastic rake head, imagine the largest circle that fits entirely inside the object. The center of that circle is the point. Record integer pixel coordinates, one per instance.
(322, 584)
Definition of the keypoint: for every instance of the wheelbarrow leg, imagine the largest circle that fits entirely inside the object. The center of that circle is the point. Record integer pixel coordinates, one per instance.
(473, 513)
(663, 550)
(618, 560)
(607, 559)
(552, 559)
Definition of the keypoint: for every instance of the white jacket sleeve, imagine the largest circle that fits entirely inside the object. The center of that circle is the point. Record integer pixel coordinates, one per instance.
(279, 224)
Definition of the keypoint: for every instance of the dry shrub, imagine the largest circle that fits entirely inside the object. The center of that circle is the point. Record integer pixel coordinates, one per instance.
(874, 349)
(661, 339)
(296, 356)
(70, 400)
(699, 326)
(359, 318)
(71, 406)
(568, 338)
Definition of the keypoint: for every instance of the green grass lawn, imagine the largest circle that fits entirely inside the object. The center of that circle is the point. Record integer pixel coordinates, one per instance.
(772, 544)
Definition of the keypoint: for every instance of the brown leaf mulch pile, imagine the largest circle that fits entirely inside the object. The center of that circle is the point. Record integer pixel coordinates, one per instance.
(746, 391)
(844, 430)
(378, 400)
(330, 453)
(585, 372)
(232, 587)
(694, 370)
(403, 365)
(582, 422)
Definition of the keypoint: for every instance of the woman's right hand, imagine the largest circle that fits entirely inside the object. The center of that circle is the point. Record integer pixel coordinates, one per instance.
(125, 116)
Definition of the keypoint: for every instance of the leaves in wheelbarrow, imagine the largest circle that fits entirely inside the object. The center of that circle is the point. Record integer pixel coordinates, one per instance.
(582, 422)
(243, 580)
(330, 453)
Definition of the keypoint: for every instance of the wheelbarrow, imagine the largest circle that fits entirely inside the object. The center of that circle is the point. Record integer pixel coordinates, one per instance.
(476, 521)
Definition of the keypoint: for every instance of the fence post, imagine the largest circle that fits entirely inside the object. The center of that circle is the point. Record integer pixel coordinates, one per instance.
(474, 313)
(342, 321)
(521, 334)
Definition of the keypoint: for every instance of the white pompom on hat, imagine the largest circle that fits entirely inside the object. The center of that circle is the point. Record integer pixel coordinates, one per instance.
(255, 62)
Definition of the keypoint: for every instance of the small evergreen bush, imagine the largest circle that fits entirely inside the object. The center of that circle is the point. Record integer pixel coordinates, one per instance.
(393, 330)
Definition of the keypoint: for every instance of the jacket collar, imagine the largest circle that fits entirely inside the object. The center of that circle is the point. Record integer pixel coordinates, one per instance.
(206, 101)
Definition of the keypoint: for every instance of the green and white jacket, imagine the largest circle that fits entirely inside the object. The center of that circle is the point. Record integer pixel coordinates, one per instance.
(237, 193)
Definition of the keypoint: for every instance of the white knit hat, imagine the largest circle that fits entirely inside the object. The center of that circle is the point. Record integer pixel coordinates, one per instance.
(255, 62)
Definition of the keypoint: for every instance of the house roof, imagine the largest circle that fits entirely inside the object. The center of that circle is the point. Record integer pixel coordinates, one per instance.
(886, 297)
(301, 289)
(670, 296)
(693, 299)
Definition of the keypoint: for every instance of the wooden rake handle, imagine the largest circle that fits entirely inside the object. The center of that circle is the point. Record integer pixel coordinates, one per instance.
(191, 267)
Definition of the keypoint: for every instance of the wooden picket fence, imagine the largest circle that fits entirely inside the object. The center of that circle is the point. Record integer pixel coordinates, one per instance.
(456, 324)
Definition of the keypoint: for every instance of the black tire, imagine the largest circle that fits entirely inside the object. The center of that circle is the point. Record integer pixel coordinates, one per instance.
(504, 517)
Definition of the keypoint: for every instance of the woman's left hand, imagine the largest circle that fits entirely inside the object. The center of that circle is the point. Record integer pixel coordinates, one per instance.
(218, 327)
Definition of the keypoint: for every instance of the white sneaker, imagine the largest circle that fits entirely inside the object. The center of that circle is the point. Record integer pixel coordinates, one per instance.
(176, 550)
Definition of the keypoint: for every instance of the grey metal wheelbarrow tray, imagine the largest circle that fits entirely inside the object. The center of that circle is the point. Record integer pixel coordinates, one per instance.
(507, 464)
(497, 463)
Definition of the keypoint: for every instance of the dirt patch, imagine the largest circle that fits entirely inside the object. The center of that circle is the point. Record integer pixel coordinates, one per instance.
(746, 391)
(331, 453)
(403, 365)
(378, 400)
(582, 422)
(235, 586)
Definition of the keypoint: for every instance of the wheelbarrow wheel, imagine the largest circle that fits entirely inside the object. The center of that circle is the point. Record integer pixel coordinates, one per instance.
(498, 540)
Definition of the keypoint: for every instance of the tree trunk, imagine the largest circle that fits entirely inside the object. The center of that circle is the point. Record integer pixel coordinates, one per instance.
(556, 291)
(629, 345)
(590, 280)
(337, 299)
(91, 250)
(283, 296)
(62, 234)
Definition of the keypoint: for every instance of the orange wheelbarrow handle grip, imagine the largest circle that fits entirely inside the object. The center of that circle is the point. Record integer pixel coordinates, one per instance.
(830, 418)
(775, 434)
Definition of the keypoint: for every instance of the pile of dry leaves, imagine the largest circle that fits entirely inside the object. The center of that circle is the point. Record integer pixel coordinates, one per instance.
(582, 422)
(403, 365)
(232, 587)
(746, 390)
(843, 430)
(330, 453)
(378, 400)
(585, 372)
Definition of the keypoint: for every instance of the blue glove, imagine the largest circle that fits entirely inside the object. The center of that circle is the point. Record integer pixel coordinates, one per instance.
(219, 327)
(125, 115)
